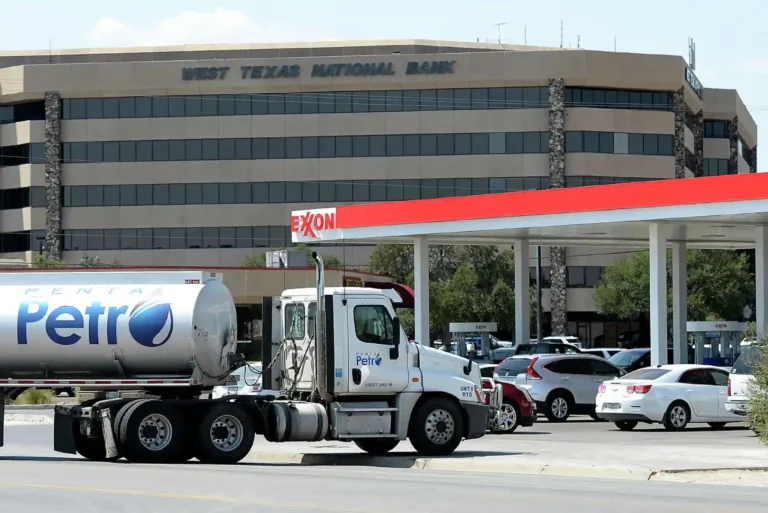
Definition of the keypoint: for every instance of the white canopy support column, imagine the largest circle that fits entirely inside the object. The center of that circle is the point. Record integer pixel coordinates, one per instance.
(522, 292)
(421, 284)
(680, 301)
(658, 257)
(761, 271)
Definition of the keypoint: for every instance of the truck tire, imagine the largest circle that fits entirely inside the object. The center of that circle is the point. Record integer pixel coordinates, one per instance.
(225, 434)
(436, 427)
(151, 431)
(377, 446)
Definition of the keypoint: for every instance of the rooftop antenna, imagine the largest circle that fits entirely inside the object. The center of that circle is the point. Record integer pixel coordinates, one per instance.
(498, 28)
(578, 41)
(614, 42)
(50, 51)
(525, 35)
(692, 53)
(561, 33)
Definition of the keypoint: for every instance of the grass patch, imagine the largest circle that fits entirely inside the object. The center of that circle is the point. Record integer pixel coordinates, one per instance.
(35, 396)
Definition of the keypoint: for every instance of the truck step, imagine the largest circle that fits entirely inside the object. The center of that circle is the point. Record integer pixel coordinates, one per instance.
(365, 410)
(373, 435)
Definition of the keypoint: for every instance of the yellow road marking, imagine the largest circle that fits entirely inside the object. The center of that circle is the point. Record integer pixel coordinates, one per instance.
(158, 495)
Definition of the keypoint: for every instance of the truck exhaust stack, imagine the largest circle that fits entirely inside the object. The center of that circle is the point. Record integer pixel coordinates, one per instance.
(321, 369)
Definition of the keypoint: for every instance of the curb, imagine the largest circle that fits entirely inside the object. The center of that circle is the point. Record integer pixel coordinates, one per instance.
(450, 464)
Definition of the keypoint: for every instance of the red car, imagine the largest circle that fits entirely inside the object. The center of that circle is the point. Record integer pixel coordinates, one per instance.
(518, 409)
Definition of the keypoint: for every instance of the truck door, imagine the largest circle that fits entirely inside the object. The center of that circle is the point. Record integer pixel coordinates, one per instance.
(376, 366)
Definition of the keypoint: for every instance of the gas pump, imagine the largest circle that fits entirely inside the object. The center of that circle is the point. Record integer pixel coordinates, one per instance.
(460, 331)
(716, 342)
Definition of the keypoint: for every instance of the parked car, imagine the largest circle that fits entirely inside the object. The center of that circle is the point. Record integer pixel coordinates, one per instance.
(565, 384)
(517, 409)
(248, 383)
(740, 379)
(546, 347)
(565, 339)
(631, 360)
(602, 352)
(672, 395)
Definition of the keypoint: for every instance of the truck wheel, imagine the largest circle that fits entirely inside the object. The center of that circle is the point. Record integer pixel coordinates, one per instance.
(151, 432)
(225, 435)
(90, 448)
(377, 446)
(437, 427)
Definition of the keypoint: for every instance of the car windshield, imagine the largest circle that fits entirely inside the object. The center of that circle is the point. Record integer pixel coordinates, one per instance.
(626, 358)
(252, 374)
(649, 374)
(746, 360)
(513, 367)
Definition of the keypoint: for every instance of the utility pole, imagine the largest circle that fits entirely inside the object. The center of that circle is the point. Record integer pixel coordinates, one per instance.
(498, 28)
(539, 313)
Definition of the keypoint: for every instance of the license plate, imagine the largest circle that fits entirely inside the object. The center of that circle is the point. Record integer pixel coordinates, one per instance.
(112, 395)
(611, 406)
(232, 390)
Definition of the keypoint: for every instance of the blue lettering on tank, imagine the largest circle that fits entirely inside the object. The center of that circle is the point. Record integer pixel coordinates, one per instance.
(149, 323)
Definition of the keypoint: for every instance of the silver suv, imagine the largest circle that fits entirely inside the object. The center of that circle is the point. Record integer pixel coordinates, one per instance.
(563, 385)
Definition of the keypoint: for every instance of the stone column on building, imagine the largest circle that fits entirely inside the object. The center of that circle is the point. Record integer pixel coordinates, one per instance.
(678, 107)
(53, 233)
(753, 160)
(557, 261)
(698, 143)
(733, 139)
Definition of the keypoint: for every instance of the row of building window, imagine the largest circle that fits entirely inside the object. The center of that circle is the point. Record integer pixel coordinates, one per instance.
(617, 98)
(715, 167)
(331, 102)
(715, 129)
(307, 147)
(619, 143)
(341, 191)
(28, 111)
(19, 154)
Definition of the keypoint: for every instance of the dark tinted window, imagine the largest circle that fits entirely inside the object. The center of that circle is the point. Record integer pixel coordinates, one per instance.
(513, 366)
(627, 358)
(649, 374)
(604, 369)
(720, 377)
(749, 356)
(697, 377)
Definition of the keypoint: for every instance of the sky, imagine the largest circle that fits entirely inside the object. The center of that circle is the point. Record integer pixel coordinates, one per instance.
(731, 39)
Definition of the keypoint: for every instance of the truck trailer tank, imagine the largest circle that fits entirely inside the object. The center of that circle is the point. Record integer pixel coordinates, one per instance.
(114, 325)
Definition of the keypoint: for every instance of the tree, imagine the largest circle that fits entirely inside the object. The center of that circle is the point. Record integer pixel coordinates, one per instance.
(719, 286)
(45, 260)
(757, 391)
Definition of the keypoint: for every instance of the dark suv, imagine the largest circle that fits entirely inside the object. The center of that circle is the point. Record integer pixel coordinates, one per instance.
(547, 347)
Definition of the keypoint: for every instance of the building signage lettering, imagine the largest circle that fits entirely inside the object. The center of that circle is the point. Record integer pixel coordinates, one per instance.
(693, 81)
(347, 69)
(309, 223)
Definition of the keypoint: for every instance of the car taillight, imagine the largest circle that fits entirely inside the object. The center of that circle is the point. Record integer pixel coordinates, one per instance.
(729, 388)
(638, 389)
(530, 372)
(256, 387)
(602, 388)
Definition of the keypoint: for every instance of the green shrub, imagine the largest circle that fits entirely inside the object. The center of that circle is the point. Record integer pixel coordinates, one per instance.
(36, 396)
(757, 416)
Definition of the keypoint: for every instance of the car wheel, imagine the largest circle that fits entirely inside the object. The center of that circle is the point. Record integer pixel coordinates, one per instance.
(509, 417)
(716, 425)
(558, 407)
(626, 425)
(677, 417)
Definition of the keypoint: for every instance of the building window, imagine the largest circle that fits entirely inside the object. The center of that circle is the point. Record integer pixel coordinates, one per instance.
(619, 143)
(715, 129)
(617, 98)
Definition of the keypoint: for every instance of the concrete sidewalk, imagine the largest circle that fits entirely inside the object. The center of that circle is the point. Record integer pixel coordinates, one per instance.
(520, 454)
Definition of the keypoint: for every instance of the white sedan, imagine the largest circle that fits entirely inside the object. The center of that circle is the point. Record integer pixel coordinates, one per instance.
(672, 395)
(248, 383)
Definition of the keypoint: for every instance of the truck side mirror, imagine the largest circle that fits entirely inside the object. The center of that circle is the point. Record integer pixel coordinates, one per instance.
(394, 351)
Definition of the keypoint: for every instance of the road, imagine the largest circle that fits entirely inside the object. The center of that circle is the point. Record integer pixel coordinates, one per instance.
(34, 479)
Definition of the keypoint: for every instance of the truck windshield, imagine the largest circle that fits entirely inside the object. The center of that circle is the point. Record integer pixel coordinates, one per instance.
(748, 357)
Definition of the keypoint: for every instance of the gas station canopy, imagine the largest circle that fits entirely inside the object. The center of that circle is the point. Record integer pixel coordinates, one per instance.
(727, 212)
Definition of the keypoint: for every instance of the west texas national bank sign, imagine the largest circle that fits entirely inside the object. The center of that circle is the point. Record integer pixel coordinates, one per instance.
(346, 69)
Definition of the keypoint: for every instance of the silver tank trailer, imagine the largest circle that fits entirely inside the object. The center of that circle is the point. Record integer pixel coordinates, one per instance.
(129, 326)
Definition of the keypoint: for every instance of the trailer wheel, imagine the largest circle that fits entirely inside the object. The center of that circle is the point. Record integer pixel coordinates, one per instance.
(90, 448)
(225, 434)
(436, 427)
(151, 431)
(376, 446)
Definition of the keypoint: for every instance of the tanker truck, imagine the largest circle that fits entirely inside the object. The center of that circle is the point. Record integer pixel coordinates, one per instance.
(144, 348)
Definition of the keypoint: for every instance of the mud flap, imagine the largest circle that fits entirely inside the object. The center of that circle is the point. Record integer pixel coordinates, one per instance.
(2, 415)
(108, 434)
(63, 433)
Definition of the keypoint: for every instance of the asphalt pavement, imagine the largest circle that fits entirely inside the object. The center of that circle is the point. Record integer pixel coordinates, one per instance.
(35, 479)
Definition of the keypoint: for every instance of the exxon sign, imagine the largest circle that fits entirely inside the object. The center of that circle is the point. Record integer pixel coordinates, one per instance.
(312, 223)
(150, 322)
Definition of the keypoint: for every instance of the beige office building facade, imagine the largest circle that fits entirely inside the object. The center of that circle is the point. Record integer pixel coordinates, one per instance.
(195, 156)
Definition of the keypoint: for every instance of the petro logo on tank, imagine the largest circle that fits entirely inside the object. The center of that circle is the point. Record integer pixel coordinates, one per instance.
(150, 322)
